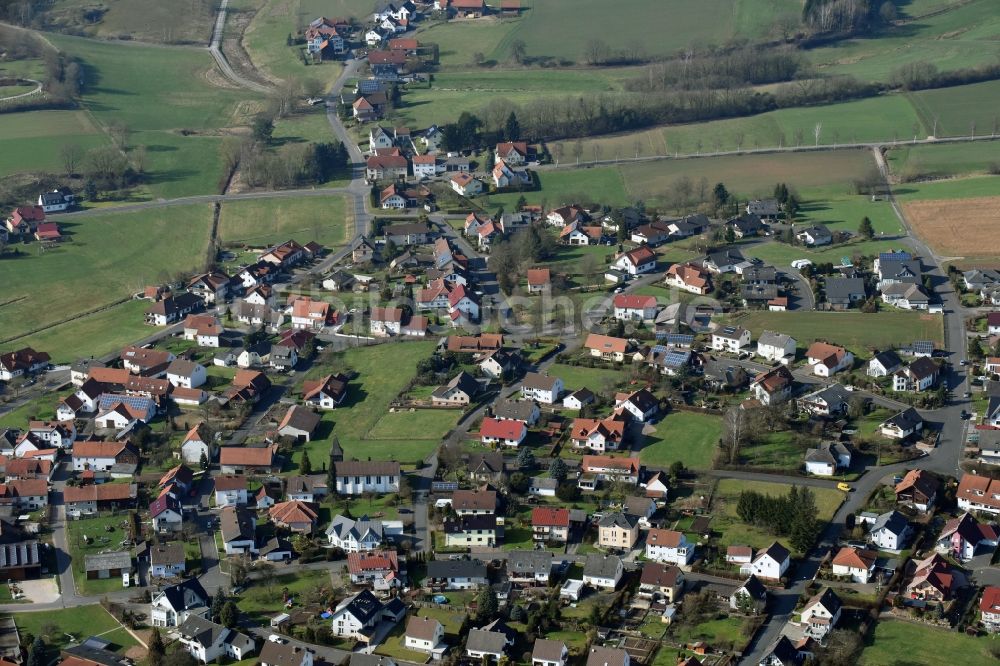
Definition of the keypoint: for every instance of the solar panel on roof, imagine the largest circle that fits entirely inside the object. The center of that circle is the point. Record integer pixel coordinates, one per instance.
(679, 339)
(659, 349)
(923, 347)
(133, 401)
(676, 358)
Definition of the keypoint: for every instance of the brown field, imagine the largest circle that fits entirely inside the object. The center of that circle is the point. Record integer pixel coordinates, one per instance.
(957, 227)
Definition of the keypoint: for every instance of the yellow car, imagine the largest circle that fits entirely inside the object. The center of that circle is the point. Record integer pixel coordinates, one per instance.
(846, 487)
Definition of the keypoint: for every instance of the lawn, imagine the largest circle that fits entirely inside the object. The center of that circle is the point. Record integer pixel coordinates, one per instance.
(32, 139)
(857, 331)
(416, 424)
(893, 638)
(943, 160)
(559, 187)
(101, 541)
(383, 371)
(450, 620)
(41, 408)
(688, 437)
(105, 258)
(577, 377)
(264, 222)
(775, 450)
(842, 211)
(782, 254)
(721, 630)
(735, 532)
(260, 601)
(393, 647)
(954, 188)
(81, 622)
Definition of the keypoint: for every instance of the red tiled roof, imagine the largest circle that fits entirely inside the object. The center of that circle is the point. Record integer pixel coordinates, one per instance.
(543, 516)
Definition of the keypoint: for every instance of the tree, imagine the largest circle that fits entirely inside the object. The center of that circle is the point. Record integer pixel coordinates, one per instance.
(720, 196)
(735, 432)
(203, 461)
(263, 128)
(156, 648)
(525, 458)
(71, 155)
(676, 470)
(218, 601)
(179, 657)
(512, 128)
(36, 653)
(519, 482)
(866, 229)
(558, 469)
(568, 491)
(305, 465)
(518, 51)
(266, 574)
(730, 234)
(230, 615)
(487, 605)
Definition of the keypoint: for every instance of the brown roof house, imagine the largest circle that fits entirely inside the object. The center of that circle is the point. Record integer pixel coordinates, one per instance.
(299, 423)
(246, 459)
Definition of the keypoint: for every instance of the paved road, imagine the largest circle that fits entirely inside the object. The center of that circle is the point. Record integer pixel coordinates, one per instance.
(215, 48)
(38, 89)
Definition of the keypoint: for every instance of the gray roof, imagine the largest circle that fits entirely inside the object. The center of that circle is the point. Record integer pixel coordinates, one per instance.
(816, 231)
(535, 380)
(456, 569)
(909, 291)
(201, 630)
(775, 339)
(463, 381)
(529, 562)
(839, 289)
(343, 527)
(167, 553)
(888, 359)
(601, 566)
(908, 419)
(236, 524)
(544, 482)
(518, 410)
(102, 561)
(362, 659)
(492, 642)
(725, 257)
(547, 650)
(605, 656)
(754, 588)
(893, 522)
(827, 452)
(907, 270)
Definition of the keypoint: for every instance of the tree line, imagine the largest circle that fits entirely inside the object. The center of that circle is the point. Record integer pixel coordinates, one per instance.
(793, 515)
(750, 65)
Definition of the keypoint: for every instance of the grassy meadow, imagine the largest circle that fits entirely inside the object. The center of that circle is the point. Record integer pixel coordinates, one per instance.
(269, 221)
(688, 437)
(32, 140)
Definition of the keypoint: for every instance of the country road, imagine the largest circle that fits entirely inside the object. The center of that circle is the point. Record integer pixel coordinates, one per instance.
(215, 48)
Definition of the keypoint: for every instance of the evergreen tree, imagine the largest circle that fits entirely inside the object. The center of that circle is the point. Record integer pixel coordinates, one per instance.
(525, 458)
(156, 648)
(720, 196)
(558, 469)
(487, 605)
(36, 653)
(730, 234)
(218, 601)
(866, 229)
(230, 615)
(203, 462)
(305, 465)
(512, 128)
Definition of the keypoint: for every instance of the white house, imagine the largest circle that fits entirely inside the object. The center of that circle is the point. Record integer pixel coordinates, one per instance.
(166, 560)
(776, 347)
(632, 307)
(230, 490)
(186, 374)
(884, 364)
(353, 536)
(542, 388)
(603, 571)
(770, 563)
(239, 530)
(549, 653)
(505, 432)
(197, 445)
(730, 339)
(358, 477)
(465, 184)
(890, 531)
(637, 261)
(173, 604)
(668, 546)
(827, 458)
(827, 360)
(821, 614)
(356, 617)
(857, 564)
(207, 641)
(424, 634)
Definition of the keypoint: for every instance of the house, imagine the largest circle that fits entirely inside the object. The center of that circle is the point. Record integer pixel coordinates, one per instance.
(829, 401)
(661, 581)
(211, 287)
(746, 226)
(773, 387)
(605, 656)
(25, 494)
(378, 568)
(166, 513)
(283, 358)
(197, 446)
(465, 184)
(765, 209)
(857, 564)
(769, 563)
(472, 530)
(989, 608)
(56, 201)
(655, 233)
(617, 530)
(20, 558)
(821, 614)
(239, 530)
(463, 574)
(814, 235)
(246, 459)
(146, 362)
(603, 571)
(598, 434)
(906, 296)
(204, 330)
(896, 271)
(91, 498)
(921, 375)
(884, 364)
(750, 597)
(173, 308)
(407, 233)
(669, 546)
(166, 560)
(424, 634)
(904, 424)
(491, 642)
(550, 524)
(541, 388)
(919, 489)
(462, 307)
(529, 567)
(23, 361)
(186, 374)
(459, 391)
(776, 347)
(547, 652)
(642, 405)
(312, 315)
(109, 565)
(500, 363)
(539, 279)
(606, 347)
(514, 153)
(608, 468)
(723, 261)
(827, 360)
(299, 423)
(577, 399)
(506, 175)
(742, 555)
(386, 167)
(285, 654)
(57, 434)
(359, 477)
(964, 537)
(230, 490)
(656, 486)
(361, 535)
(889, 531)
(103, 456)
(730, 339)
(689, 277)
(325, 393)
(172, 605)
(781, 653)
(207, 641)
(294, 515)
(933, 580)
(254, 356)
(630, 307)
(827, 458)
(578, 234)
(636, 261)
(507, 432)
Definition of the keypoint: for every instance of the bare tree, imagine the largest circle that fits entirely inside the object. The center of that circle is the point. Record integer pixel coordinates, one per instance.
(71, 155)
(518, 51)
(736, 427)
(120, 133)
(816, 132)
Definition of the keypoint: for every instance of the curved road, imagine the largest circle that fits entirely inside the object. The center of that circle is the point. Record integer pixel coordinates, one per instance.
(215, 48)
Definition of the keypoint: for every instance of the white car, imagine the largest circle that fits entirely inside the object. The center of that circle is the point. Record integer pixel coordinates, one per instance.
(275, 638)
(799, 264)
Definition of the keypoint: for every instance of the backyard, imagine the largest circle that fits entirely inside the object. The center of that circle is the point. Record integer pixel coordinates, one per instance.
(105, 534)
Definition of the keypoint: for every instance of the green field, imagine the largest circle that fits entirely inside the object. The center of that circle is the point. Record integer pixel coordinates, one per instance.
(261, 222)
(181, 22)
(32, 139)
(750, 175)
(943, 160)
(958, 188)
(735, 532)
(98, 334)
(857, 331)
(576, 377)
(80, 622)
(844, 211)
(565, 186)
(420, 424)
(106, 258)
(893, 638)
(688, 437)
(961, 110)
(782, 254)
